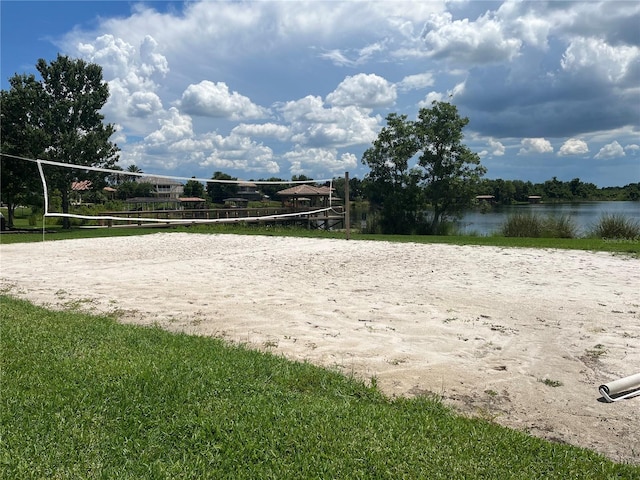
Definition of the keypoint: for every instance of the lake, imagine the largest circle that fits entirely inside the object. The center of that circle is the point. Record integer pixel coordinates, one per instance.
(584, 214)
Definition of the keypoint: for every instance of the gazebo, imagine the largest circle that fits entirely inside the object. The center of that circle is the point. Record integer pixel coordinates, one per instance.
(305, 195)
(192, 202)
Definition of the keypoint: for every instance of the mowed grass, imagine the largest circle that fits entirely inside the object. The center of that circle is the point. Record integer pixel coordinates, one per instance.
(625, 246)
(60, 234)
(87, 397)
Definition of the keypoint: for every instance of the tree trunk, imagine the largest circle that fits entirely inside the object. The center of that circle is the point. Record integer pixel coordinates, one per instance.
(437, 218)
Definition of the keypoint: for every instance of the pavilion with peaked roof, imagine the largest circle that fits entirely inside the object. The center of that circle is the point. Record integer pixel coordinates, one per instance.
(192, 202)
(305, 195)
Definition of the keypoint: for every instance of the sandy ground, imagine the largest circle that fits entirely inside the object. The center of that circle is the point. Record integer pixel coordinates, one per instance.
(481, 327)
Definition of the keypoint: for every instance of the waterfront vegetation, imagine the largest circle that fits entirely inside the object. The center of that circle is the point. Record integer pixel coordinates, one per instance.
(626, 246)
(532, 225)
(616, 227)
(88, 397)
(612, 232)
(609, 226)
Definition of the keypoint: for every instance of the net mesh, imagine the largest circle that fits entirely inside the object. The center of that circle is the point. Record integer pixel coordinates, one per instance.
(108, 197)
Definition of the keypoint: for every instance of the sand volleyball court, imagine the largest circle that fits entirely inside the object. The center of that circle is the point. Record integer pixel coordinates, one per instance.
(523, 337)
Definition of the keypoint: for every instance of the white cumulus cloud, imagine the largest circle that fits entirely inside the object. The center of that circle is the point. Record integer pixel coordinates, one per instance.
(595, 57)
(237, 152)
(632, 148)
(143, 104)
(526, 21)
(133, 74)
(430, 98)
(152, 61)
(362, 90)
(211, 99)
(573, 146)
(497, 148)
(312, 124)
(173, 128)
(535, 145)
(612, 150)
(484, 40)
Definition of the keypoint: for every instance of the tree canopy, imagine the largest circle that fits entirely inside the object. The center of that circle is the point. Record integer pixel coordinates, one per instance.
(420, 171)
(21, 106)
(193, 188)
(131, 188)
(60, 120)
(218, 191)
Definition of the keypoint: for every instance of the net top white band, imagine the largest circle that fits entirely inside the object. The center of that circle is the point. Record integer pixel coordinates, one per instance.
(169, 177)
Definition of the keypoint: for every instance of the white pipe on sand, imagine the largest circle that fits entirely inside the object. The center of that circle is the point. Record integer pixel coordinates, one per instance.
(622, 388)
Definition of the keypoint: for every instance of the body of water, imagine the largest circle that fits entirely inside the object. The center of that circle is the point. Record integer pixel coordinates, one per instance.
(584, 214)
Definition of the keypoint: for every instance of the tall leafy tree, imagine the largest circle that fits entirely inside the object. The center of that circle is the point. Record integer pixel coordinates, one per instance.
(523, 190)
(556, 189)
(270, 190)
(421, 172)
(300, 178)
(355, 187)
(73, 95)
(132, 189)
(631, 192)
(20, 136)
(193, 188)
(390, 184)
(218, 191)
(450, 169)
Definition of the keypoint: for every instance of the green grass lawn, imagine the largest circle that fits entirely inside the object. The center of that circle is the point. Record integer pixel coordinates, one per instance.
(55, 232)
(86, 397)
(630, 246)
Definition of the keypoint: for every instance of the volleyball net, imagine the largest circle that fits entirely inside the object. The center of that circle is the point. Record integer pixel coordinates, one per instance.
(111, 197)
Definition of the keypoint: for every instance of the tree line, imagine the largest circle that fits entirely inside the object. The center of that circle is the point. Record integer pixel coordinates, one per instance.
(505, 192)
(509, 192)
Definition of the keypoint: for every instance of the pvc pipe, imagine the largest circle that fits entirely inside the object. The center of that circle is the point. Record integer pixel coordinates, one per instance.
(622, 388)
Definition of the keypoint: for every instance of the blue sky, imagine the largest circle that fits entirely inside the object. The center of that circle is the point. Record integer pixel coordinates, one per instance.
(262, 89)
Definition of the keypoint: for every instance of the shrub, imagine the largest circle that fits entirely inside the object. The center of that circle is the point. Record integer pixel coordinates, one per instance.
(535, 226)
(522, 225)
(89, 210)
(446, 228)
(615, 226)
(562, 226)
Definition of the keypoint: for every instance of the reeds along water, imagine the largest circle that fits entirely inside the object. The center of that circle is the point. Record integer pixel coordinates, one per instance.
(584, 215)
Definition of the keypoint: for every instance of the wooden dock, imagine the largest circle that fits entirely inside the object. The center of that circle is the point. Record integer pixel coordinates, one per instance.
(327, 219)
